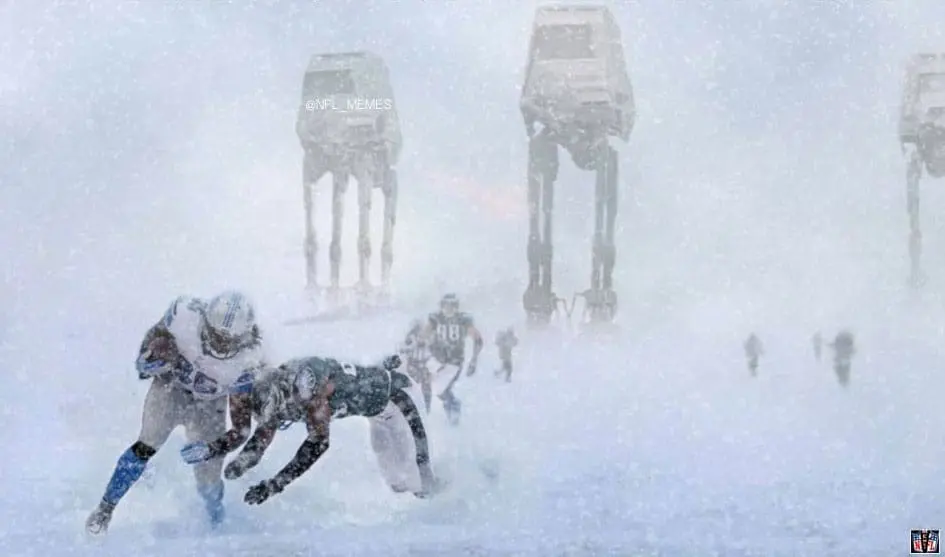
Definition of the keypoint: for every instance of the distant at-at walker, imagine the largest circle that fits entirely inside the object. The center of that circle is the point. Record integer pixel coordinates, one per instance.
(347, 125)
(577, 89)
(753, 351)
(843, 350)
(922, 138)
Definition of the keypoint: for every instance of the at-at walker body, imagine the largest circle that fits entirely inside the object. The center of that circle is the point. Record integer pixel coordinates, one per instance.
(577, 91)
(922, 136)
(347, 125)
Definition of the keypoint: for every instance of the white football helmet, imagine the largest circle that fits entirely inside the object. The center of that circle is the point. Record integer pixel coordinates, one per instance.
(230, 324)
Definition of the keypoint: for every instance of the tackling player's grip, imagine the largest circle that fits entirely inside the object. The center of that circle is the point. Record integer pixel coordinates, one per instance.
(163, 347)
(160, 354)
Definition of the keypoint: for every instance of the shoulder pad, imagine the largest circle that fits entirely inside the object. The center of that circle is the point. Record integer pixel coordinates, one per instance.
(466, 319)
(295, 364)
(181, 304)
(183, 321)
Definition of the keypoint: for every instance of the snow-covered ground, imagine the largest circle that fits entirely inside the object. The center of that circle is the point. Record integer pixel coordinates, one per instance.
(653, 443)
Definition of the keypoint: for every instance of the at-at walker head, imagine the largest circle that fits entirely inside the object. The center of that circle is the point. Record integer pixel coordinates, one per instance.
(922, 120)
(577, 77)
(347, 103)
(932, 123)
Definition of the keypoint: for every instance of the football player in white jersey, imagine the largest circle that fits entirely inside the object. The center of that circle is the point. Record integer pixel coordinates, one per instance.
(198, 356)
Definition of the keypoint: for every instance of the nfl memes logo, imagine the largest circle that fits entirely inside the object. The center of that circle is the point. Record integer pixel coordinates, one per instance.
(924, 541)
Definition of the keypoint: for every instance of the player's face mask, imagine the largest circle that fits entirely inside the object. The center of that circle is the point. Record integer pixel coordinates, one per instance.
(221, 344)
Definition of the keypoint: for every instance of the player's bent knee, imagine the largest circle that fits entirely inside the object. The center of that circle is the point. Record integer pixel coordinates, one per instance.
(143, 451)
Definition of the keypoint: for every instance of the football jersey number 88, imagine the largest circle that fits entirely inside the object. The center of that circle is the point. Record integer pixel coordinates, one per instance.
(449, 333)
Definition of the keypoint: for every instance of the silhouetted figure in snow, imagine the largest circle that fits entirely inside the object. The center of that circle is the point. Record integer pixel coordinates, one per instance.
(753, 351)
(818, 342)
(843, 350)
(506, 341)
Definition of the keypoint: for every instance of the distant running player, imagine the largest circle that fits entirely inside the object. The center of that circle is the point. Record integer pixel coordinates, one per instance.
(506, 341)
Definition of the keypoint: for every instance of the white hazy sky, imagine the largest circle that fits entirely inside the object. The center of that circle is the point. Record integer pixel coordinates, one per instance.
(147, 148)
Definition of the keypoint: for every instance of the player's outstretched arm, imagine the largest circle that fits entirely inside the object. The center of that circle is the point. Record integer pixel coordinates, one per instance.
(241, 416)
(252, 453)
(158, 353)
(478, 343)
(317, 420)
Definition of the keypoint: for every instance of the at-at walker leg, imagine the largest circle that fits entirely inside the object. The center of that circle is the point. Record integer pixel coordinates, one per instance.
(365, 189)
(539, 299)
(339, 188)
(311, 174)
(913, 176)
(389, 188)
(601, 300)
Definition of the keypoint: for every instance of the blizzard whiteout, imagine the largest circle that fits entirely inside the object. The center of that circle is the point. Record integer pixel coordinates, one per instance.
(768, 388)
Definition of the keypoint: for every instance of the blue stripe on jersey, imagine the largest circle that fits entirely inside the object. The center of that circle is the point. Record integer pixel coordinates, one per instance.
(243, 384)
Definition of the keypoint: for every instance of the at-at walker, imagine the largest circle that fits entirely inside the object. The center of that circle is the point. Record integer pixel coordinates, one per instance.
(348, 126)
(922, 136)
(578, 91)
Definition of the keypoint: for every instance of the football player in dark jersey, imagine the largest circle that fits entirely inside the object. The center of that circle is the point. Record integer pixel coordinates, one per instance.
(317, 390)
(446, 332)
